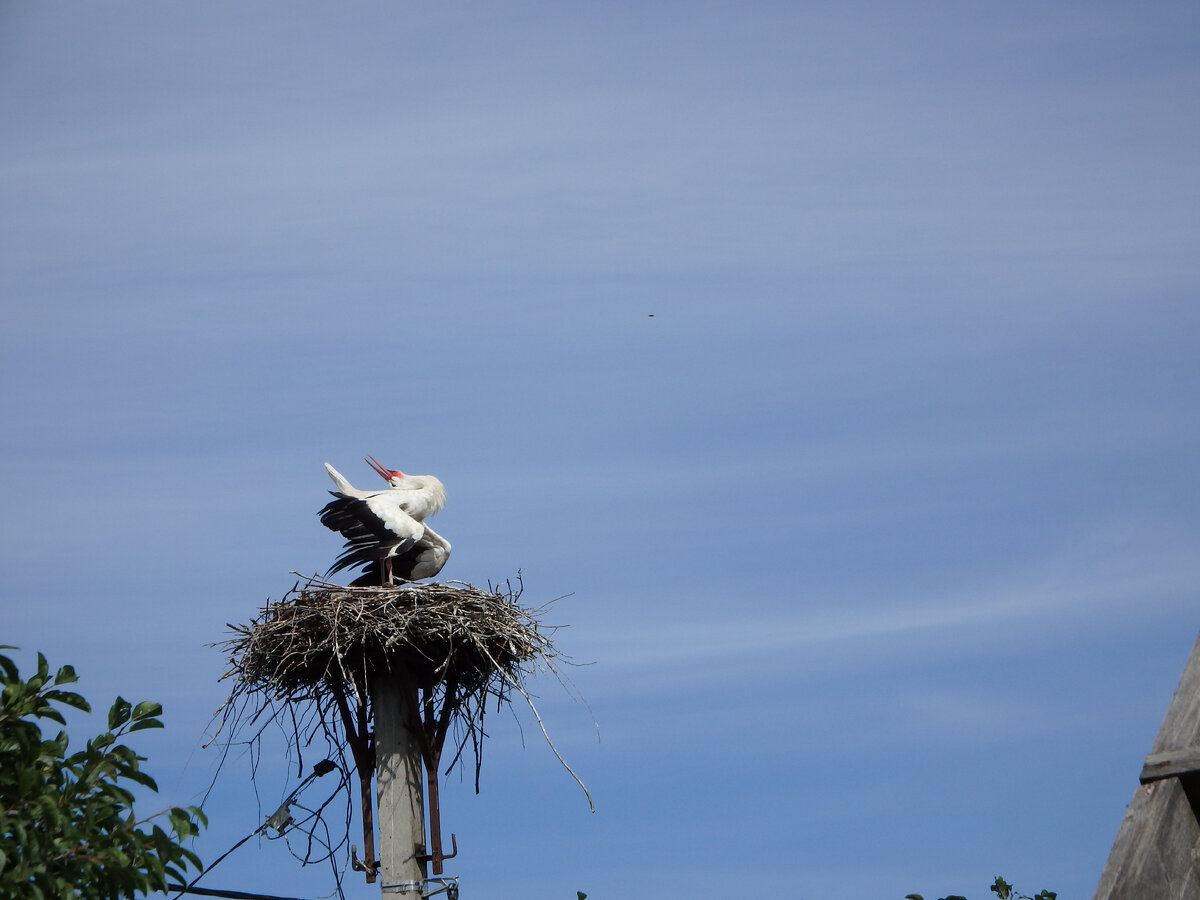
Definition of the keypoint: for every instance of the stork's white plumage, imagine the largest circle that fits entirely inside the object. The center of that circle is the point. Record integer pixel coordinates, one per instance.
(385, 530)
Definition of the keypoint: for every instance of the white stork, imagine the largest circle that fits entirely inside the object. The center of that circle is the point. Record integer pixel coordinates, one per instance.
(385, 530)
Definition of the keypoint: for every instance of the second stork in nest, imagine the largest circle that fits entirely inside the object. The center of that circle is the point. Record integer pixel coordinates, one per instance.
(385, 530)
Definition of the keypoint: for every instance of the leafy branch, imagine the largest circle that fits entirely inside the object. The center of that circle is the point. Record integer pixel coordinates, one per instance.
(67, 826)
(1003, 891)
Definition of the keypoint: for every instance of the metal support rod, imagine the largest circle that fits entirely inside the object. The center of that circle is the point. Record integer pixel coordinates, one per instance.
(430, 732)
(360, 749)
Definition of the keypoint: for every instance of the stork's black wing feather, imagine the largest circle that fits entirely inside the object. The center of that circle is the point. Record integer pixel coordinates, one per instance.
(404, 566)
(367, 537)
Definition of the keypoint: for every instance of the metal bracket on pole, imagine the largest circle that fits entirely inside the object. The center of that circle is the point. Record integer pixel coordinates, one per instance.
(371, 867)
(438, 857)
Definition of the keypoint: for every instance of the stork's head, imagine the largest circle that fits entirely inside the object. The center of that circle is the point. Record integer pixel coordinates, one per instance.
(394, 477)
(433, 491)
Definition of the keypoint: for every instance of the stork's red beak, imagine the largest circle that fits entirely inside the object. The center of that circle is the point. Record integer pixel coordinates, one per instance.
(384, 473)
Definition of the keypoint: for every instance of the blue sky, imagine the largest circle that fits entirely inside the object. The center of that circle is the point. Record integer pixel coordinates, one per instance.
(839, 360)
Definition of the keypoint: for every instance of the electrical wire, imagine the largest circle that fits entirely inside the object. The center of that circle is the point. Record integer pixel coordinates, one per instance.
(322, 768)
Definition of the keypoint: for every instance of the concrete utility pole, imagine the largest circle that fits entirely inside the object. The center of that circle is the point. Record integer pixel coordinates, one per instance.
(401, 803)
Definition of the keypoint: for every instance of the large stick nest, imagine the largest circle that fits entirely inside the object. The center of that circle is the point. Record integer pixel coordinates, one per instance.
(437, 632)
(310, 657)
(307, 661)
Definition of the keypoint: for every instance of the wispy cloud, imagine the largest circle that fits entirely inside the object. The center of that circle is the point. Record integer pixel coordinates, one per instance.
(1096, 587)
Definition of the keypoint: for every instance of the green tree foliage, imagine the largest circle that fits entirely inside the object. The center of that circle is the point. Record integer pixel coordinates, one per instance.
(1003, 891)
(67, 827)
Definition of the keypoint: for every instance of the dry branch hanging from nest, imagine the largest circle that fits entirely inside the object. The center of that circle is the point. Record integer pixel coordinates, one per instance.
(452, 644)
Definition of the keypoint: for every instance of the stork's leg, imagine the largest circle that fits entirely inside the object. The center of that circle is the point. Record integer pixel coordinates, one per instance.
(386, 571)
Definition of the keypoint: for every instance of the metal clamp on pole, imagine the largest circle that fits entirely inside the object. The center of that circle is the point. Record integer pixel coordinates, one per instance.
(403, 887)
(449, 887)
